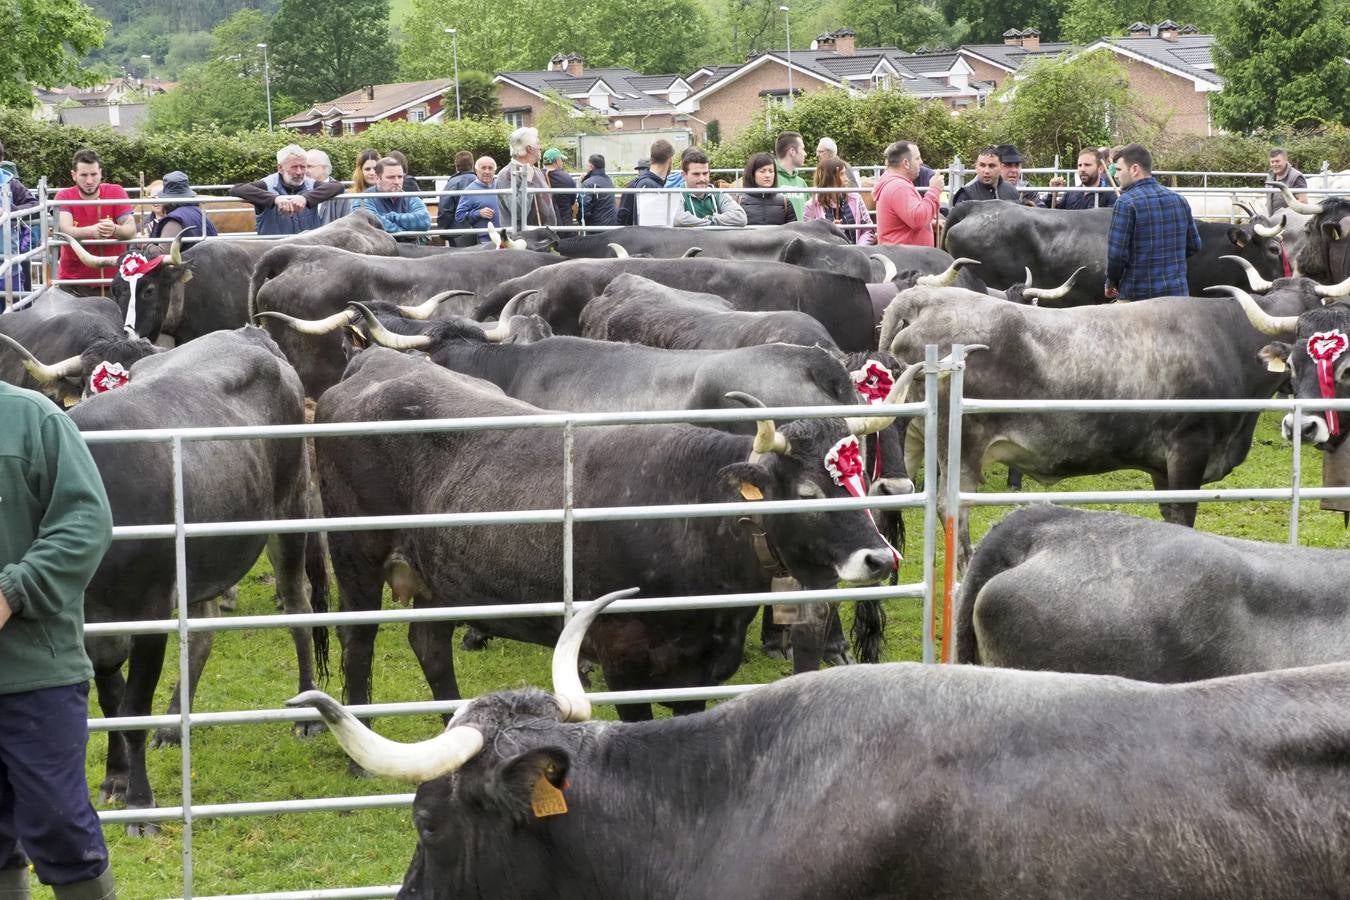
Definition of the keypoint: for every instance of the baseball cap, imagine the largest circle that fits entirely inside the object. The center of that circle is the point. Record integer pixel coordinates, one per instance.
(552, 155)
(1008, 153)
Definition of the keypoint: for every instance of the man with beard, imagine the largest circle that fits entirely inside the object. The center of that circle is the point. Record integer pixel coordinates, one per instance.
(111, 217)
(287, 201)
(988, 183)
(1091, 173)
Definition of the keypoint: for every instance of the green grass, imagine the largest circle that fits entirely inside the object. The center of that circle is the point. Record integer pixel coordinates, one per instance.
(255, 670)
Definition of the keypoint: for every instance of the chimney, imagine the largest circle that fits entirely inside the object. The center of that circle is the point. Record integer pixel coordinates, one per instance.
(823, 41)
(845, 42)
(1031, 40)
(1012, 37)
(557, 63)
(575, 65)
(1168, 31)
(1140, 29)
(370, 92)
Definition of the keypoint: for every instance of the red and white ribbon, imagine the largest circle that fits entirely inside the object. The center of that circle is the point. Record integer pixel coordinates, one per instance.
(131, 268)
(874, 382)
(108, 377)
(1325, 347)
(845, 465)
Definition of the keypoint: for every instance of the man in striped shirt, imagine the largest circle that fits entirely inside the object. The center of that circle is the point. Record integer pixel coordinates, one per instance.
(1152, 233)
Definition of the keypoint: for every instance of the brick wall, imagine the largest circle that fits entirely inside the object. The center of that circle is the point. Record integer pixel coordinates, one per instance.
(1168, 95)
(986, 72)
(510, 96)
(737, 104)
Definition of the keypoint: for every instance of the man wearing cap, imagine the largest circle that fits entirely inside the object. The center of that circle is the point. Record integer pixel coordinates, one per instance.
(826, 148)
(180, 218)
(1011, 169)
(556, 167)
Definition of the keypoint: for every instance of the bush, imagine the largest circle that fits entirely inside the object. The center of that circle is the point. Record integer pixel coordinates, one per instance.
(208, 157)
(1236, 153)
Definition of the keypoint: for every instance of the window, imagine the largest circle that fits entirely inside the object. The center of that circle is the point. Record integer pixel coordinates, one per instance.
(881, 81)
(417, 115)
(515, 119)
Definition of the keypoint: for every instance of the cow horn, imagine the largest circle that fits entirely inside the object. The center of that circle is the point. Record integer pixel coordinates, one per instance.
(1245, 207)
(864, 425)
(176, 250)
(89, 259)
(571, 699)
(768, 439)
(1262, 321)
(312, 326)
(498, 333)
(1258, 284)
(948, 277)
(509, 309)
(888, 271)
(378, 755)
(385, 338)
(619, 251)
(1032, 293)
(424, 309)
(1333, 290)
(691, 252)
(1298, 206)
(41, 372)
(1269, 231)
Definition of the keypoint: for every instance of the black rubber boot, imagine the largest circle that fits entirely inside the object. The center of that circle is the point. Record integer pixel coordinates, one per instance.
(100, 888)
(14, 884)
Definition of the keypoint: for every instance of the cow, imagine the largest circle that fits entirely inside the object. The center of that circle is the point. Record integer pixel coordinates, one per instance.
(1067, 590)
(616, 466)
(841, 304)
(1007, 238)
(1165, 348)
(722, 243)
(955, 781)
(189, 293)
(82, 335)
(868, 263)
(1324, 250)
(313, 283)
(230, 378)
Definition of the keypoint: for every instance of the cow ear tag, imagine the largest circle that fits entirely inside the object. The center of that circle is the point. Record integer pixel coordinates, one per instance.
(750, 492)
(1275, 364)
(547, 800)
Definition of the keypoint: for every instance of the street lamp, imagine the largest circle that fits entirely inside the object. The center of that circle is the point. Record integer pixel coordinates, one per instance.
(454, 44)
(787, 27)
(267, 84)
(146, 64)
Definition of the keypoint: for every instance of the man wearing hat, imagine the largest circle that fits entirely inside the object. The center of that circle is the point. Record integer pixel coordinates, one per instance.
(180, 217)
(1010, 161)
(555, 166)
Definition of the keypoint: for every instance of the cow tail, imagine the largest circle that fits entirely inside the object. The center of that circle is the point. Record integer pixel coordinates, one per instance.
(869, 630)
(316, 570)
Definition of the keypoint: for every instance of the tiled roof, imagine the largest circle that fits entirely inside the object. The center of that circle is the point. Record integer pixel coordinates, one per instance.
(1010, 56)
(1184, 54)
(387, 98)
(629, 87)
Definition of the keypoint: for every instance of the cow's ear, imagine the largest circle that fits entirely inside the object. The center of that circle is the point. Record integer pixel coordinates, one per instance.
(792, 251)
(1275, 356)
(746, 481)
(532, 784)
(1237, 236)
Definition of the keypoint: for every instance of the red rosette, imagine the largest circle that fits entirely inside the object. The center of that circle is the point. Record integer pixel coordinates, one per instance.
(873, 381)
(108, 377)
(1325, 347)
(135, 264)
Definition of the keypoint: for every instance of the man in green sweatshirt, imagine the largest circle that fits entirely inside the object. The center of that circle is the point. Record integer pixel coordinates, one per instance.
(790, 151)
(55, 526)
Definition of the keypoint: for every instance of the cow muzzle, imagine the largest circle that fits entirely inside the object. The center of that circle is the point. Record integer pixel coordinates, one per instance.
(867, 566)
(1315, 430)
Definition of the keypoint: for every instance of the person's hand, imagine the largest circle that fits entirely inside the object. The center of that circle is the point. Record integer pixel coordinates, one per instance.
(106, 228)
(936, 183)
(5, 611)
(1057, 181)
(485, 212)
(1112, 292)
(298, 204)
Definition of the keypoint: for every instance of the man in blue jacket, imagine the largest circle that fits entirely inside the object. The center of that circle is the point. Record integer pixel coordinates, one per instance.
(55, 526)
(1152, 233)
(396, 213)
(477, 210)
(287, 201)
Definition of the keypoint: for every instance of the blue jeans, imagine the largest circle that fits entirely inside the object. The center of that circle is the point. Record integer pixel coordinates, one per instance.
(44, 798)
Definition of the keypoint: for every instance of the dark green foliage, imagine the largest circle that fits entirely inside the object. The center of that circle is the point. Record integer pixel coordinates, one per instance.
(1086, 20)
(990, 18)
(321, 49)
(41, 42)
(477, 97)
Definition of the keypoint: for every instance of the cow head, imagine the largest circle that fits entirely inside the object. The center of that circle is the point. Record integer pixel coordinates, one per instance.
(403, 321)
(491, 783)
(150, 288)
(103, 366)
(1324, 254)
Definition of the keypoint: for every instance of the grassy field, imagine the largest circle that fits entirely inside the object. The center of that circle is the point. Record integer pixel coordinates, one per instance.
(255, 670)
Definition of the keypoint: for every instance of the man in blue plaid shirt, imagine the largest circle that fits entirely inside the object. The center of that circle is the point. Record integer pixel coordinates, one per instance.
(1152, 233)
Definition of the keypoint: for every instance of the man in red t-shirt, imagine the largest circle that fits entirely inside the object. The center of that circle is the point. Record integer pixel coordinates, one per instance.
(903, 217)
(113, 218)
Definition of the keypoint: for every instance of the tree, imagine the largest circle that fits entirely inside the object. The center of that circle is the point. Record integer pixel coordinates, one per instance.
(321, 49)
(477, 97)
(990, 18)
(1086, 20)
(1283, 63)
(42, 46)
(899, 23)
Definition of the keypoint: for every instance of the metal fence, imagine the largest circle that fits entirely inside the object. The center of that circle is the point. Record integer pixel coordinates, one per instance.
(941, 501)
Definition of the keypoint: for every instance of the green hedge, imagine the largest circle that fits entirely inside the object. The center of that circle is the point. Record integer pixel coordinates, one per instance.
(41, 148)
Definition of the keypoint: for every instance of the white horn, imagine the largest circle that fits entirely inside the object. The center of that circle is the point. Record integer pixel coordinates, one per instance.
(1333, 290)
(948, 277)
(768, 439)
(1298, 206)
(176, 250)
(690, 253)
(1262, 321)
(567, 689)
(1052, 293)
(385, 338)
(424, 309)
(41, 372)
(619, 251)
(1258, 284)
(888, 270)
(312, 326)
(498, 333)
(378, 755)
(89, 259)
(864, 425)
(1269, 231)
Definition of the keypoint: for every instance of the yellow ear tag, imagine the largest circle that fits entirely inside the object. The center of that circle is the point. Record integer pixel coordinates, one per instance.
(547, 800)
(750, 492)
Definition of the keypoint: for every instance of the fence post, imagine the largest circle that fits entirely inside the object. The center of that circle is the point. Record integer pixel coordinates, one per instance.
(569, 458)
(1296, 475)
(930, 496)
(184, 659)
(953, 504)
(50, 219)
(6, 237)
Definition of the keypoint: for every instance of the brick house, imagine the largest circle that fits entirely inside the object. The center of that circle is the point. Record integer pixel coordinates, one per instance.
(629, 100)
(1173, 67)
(353, 113)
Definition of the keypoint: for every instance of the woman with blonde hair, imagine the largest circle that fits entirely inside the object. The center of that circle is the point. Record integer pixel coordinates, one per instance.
(843, 209)
(363, 176)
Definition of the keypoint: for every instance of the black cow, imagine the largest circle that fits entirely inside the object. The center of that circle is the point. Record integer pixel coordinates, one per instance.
(1008, 238)
(950, 781)
(1067, 590)
(672, 243)
(223, 379)
(521, 470)
(866, 263)
(1324, 251)
(841, 304)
